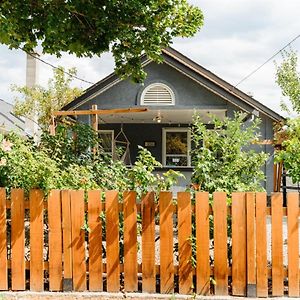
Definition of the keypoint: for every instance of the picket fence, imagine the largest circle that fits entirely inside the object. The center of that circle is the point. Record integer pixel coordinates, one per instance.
(71, 241)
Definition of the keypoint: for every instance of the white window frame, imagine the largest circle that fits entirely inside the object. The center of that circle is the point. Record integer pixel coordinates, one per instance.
(157, 104)
(164, 140)
(112, 139)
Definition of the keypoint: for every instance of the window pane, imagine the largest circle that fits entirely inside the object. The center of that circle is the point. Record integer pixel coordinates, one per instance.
(176, 143)
(106, 141)
(176, 160)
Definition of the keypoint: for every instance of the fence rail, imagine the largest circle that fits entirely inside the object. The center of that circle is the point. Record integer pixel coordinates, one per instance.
(98, 241)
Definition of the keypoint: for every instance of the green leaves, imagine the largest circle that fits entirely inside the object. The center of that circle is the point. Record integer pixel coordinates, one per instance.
(64, 161)
(39, 102)
(223, 158)
(288, 79)
(129, 28)
(290, 152)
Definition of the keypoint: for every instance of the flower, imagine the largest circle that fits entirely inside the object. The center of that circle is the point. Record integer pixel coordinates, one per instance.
(6, 145)
(3, 162)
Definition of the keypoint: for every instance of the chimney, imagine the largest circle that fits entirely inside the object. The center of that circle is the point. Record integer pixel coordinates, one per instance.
(31, 126)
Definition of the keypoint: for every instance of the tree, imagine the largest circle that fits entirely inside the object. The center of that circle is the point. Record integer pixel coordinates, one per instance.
(129, 28)
(39, 102)
(288, 133)
(288, 79)
(223, 159)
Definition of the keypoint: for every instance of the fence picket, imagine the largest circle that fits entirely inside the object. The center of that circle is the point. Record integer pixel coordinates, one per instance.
(130, 242)
(277, 245)
(184, 243)
(202, 239)
(250, 236)
(220, 243)
(67, 240)
(55, 241)
(3, 241)
(166, 242)
(293, 243)
(112, 241)
(261, 245)
(17, 240)
(78, 237)
(239, 244)
(95, 241)
(148, 242)
(36, 199)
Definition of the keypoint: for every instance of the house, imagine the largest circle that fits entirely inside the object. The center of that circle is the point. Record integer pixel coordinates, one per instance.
(9, 121)
(172, 92)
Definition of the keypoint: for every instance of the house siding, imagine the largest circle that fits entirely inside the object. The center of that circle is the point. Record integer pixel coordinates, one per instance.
(188, 94)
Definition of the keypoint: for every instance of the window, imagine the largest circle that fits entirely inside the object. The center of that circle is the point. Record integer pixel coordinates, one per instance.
(107, 141)
(157, 94)
(176, 147)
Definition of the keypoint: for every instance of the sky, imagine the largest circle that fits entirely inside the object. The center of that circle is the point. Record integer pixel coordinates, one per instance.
(237, 37)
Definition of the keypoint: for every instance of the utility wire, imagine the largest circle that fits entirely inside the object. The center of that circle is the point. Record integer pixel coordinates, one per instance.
(55, 67)
(254, 71)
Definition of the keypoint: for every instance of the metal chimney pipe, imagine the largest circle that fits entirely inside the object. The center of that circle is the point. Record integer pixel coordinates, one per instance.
(31, 126)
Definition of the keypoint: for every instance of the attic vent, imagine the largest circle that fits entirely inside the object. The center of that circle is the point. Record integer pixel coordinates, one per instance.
(157, 94)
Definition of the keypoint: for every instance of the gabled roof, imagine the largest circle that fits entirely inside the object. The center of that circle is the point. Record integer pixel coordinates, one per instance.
(9, 121)
(184, 64)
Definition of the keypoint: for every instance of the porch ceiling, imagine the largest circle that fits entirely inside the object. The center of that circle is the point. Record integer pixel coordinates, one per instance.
(164, 116)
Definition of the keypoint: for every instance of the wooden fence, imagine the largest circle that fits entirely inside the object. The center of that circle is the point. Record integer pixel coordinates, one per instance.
(71, 241)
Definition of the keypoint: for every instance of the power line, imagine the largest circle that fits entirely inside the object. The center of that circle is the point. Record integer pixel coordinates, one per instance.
(55, 67)
(254, 71)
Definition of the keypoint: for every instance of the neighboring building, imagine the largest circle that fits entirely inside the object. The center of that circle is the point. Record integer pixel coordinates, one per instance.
(172, 91)
(9, 121)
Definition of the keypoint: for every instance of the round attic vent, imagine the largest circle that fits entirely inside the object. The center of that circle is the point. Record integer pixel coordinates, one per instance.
(157, 94)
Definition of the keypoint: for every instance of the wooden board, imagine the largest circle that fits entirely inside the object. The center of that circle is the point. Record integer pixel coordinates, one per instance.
(239, 244)
(130, 242)
(184, 244)
(166, 243)
(55, 241)
(112, 241)
(261, 245)
(17, 240)
(148, 243)
(95, 241)
(3, 242)
(277, 245)
(67, 240)
(251, 267)
(202, 239)
(78, 237)
(293, 243)
(99, 111)
(36, 200)
(220, 243)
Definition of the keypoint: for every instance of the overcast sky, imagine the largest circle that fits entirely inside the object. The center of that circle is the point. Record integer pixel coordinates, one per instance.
(237, 37)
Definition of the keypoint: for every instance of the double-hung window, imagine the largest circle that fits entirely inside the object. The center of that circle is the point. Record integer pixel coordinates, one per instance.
(107, 141)
(177, 147)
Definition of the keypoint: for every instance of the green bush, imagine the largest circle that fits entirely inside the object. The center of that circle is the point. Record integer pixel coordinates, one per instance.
(224, 158)
(65, 161)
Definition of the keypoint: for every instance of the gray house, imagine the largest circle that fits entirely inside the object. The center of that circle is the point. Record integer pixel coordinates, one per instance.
(172, 92)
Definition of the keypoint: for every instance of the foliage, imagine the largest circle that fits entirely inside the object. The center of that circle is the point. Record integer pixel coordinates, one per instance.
(22, 166)
(290, 152)
(39, 102)
(65, 161)
(85, 28)
(288, 132)
(223, 158)
(288, 79)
